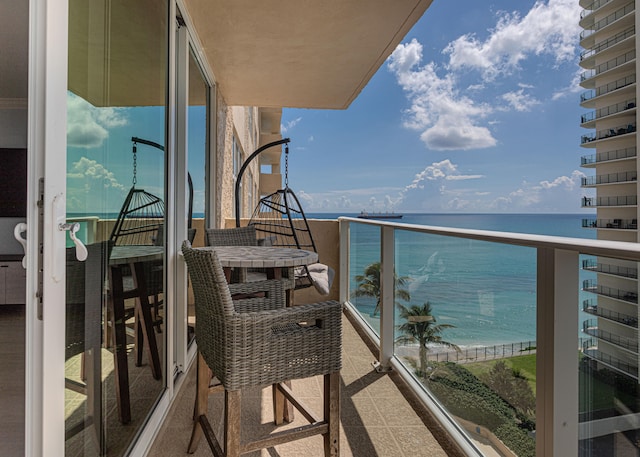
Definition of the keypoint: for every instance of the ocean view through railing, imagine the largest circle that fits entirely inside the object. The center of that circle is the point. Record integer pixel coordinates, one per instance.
(459, 303)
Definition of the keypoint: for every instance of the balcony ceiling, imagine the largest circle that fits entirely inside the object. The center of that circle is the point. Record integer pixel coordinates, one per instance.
(299, 53)
(278, 53)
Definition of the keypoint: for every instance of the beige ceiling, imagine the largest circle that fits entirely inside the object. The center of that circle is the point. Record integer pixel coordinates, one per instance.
(299, 53)
(14, 36)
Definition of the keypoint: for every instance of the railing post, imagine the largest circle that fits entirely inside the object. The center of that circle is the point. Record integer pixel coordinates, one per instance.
(344, 228)
(557, 353)
(387, 297)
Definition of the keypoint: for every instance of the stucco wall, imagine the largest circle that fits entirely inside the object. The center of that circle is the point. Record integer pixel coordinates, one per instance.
(234, 120)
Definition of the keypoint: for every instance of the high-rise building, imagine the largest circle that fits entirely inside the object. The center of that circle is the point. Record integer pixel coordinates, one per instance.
(609, 79)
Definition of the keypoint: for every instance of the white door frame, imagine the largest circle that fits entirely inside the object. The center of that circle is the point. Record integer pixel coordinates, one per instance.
(46, 143)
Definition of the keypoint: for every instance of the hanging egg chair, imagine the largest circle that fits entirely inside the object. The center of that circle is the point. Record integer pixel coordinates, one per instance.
(141, 218)
(280, 221)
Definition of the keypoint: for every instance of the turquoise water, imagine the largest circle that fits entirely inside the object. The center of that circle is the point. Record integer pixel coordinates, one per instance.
(486, 290)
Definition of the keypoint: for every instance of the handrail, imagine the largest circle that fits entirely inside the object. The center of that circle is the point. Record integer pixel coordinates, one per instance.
(617, 249)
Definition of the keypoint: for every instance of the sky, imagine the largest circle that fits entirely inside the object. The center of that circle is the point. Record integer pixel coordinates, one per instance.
(476, 110)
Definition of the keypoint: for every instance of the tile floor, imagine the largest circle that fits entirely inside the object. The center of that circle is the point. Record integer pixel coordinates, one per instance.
(377, 418)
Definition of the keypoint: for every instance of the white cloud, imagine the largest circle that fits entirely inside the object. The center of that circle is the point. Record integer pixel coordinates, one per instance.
(289, 125)
(449, 118)
(91, 185)
(520, 101)
(444, 170)
(446, 118)
(548, 28)
(88, 126)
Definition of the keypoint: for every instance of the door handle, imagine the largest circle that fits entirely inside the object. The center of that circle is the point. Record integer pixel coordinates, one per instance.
(81, 249)
(18, 230)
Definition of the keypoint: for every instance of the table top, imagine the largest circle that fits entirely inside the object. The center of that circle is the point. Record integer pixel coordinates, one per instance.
(261, 256)
(135, 253)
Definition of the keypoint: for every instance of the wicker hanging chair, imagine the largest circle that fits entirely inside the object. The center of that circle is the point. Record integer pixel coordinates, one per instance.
(280, 221)
(141, 218)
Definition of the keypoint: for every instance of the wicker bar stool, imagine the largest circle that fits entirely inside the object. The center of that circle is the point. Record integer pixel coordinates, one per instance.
(257, 342)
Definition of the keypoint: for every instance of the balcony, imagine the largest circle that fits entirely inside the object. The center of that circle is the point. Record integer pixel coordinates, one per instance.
(587, 77)
(587, 57)
(610, 178)
(588, 98)
(590, 350)
(621, 18)
(613, 270)
(597, 202)
(608, 156)
(383, 411)
(611, 292)
(588, 120)
(590, 140)
(586, 16)
(590, 307)
(590, 327)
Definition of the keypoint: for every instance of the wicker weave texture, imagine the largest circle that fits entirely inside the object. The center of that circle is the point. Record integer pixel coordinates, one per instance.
(237, 236)
(258, 342)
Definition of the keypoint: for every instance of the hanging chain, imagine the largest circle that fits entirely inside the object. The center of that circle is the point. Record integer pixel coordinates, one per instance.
(286, 166)
(135, 163)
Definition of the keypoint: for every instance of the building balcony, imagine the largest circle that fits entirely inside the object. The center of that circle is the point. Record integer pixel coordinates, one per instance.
(591, 307)
(617, 20)
(591, 351)
(590, 327)
(587, 15)
(591, 139)
(613, 270)
(596, 202)
(619, 63)
(610, 178)
(628, 296)
(622, 85)
(589, 119)
(587, 57)
(590, 161)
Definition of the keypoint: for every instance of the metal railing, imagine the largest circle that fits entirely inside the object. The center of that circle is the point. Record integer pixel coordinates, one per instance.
(626, 200)
(610, 178)
(625, 367)
(607, 88)
(590, 307)
(606, 156)
(609, 133)
(590, 285)
(607, 20)
(593, 7)
(557, 269)
(608, 111)
(606, 66)
(615, 270)
(607, 43)
(590, 327)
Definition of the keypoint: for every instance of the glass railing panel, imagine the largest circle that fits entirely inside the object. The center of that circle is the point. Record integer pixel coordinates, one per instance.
(465, 326)
(364, 272)
(465, 317)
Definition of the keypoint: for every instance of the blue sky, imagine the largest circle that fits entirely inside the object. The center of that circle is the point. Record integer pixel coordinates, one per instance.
(477, 110)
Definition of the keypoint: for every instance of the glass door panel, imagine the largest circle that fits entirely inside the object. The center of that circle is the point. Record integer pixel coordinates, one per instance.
(197, 140)
(115, 338)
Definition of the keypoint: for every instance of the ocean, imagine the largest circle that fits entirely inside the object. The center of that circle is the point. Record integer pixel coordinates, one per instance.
(487, 291)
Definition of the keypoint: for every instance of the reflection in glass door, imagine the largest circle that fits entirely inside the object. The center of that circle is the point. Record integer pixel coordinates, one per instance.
(115, 338)
(197, 139)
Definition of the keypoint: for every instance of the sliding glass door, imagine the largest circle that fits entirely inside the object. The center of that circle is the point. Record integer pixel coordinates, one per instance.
(115, 338)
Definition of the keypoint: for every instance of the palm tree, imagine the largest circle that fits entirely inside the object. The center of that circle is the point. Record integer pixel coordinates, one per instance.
(369, 285)
(421, 327)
